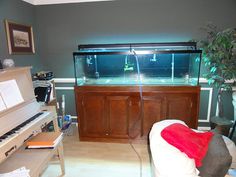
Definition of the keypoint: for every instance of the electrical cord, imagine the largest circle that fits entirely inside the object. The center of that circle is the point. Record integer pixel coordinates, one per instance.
(141, 113)
(139, 157)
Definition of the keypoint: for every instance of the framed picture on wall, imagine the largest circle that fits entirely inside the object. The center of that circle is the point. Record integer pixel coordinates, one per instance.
(20, 38)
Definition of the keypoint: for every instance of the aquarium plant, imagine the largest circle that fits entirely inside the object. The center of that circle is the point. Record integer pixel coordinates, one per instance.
(219, 57)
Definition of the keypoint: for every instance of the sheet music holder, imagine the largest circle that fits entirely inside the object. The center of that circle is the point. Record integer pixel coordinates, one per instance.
(10, 94)
(2, 104)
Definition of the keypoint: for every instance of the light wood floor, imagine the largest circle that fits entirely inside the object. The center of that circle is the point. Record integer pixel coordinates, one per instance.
(92, 159)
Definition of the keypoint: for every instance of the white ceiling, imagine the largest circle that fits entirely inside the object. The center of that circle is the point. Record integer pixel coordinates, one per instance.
(44, 2)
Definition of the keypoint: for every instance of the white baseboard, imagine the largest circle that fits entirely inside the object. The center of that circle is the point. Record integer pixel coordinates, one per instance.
(204, 128)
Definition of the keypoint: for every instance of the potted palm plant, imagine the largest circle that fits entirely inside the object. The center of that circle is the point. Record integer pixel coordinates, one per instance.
(219, 57)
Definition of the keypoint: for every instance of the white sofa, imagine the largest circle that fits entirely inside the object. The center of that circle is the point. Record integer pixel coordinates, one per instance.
(168, 161)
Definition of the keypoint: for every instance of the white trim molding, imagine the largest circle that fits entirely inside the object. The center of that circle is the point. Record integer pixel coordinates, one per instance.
(209, 104)
(64, 88)
(64, 80)
(204, 128)
(204, 81)
(47, 2)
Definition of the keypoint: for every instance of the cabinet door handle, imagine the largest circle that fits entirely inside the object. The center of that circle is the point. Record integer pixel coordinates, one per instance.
(82, 102)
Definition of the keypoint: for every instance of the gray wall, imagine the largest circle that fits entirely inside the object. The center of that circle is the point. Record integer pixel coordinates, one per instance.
(62, 27)
(22, 13)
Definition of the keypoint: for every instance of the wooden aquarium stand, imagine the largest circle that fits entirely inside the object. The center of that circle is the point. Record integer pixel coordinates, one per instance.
(118, 113)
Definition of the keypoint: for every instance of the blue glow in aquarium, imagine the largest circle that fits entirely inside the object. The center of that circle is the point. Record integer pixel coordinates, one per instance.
(159, 64)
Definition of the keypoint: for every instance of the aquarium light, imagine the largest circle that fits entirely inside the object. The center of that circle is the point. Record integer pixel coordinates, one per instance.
(141, 52)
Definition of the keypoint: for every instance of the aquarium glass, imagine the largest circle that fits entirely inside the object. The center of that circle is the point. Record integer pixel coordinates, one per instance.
(137, 64)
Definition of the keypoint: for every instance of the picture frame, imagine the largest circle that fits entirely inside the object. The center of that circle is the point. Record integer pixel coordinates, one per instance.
(20, 38)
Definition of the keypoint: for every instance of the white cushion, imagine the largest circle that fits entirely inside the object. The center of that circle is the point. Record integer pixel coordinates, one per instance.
(169, 161)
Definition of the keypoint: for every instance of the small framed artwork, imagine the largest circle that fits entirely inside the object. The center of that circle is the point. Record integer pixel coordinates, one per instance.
(20, 38)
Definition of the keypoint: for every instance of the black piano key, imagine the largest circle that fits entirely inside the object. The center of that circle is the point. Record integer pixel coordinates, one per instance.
(9, 133)
(15, 129)
(22, 125)
(3, 137)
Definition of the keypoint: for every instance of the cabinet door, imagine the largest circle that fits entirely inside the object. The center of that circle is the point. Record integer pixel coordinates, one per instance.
(152, 112)
(183, 107)
(117, 116)
(134, 117)
(92, 118)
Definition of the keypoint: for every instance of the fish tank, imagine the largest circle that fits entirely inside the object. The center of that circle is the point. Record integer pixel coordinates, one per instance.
(176, 63)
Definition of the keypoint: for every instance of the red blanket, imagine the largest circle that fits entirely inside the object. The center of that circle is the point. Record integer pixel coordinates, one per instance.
(193, 144)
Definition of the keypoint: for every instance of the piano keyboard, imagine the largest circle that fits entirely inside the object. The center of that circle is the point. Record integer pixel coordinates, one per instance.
(17, 129)
(12, 140)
